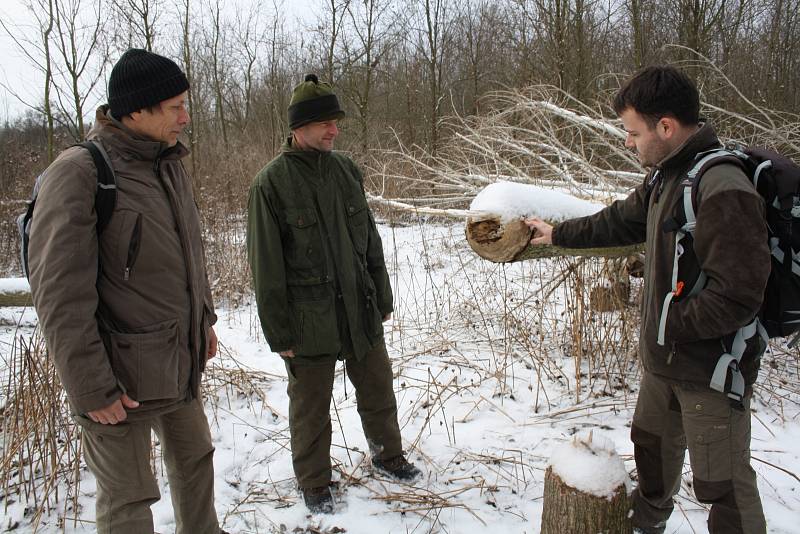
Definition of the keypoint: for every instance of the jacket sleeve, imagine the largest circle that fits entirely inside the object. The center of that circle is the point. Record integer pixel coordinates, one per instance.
(731, 244)
(63, 257)
(265, 255)
(624, 222)
(376, 263)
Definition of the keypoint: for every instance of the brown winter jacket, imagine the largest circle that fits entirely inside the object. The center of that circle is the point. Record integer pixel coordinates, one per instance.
(130, 311)
(730, 241)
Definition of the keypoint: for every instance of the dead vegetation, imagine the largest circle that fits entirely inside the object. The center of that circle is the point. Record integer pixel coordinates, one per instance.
(467, 336)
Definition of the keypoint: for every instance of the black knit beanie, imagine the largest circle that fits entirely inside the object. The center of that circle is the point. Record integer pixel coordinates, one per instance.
(313, 101)
(141, 79)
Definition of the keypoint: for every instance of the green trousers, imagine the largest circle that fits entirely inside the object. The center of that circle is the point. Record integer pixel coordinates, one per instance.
(119, 457)
(670, 418)
(310, 389)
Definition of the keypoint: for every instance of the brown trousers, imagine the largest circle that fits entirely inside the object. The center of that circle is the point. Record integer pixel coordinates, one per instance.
(668, 419)
(310, 389)
(119, 457)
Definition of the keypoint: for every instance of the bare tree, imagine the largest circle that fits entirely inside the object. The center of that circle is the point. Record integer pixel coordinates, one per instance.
(138, 19)
(38, 53)
(216, 49)
(82, 58)
(188, 69)
(371, 22)
(433, 44)
(479, 43)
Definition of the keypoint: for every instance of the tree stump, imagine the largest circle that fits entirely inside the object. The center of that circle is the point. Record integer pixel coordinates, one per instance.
(500, 242)
(592, 509)
(614, 291)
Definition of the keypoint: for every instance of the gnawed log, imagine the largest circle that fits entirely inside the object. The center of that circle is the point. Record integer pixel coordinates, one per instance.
(502, 243)
(596, 499)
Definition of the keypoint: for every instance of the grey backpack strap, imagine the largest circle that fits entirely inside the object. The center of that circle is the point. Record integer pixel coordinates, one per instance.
(730, 361)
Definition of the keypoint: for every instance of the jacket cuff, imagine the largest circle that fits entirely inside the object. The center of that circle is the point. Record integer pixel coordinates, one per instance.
(211, 317)
(280, 346)
(96, 400)
(554, 236)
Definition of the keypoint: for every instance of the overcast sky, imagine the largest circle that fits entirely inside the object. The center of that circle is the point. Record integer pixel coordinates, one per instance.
(22, 78)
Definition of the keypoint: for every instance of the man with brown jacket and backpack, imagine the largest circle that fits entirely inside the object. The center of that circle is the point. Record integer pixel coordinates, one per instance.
(686, 327)
(127, 313)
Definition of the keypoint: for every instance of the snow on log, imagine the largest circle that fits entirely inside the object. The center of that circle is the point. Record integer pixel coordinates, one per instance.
(500, 235)
(15, 292)
(586, 489)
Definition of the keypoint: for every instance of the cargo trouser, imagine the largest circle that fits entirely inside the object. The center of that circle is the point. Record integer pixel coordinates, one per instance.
(669, 418)
(119, 457)
(310, 389)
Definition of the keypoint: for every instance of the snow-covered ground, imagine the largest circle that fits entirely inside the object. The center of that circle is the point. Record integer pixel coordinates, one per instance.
(481, 410)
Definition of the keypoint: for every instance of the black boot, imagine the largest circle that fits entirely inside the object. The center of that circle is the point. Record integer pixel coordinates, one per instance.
(397, 468)
(318, 500)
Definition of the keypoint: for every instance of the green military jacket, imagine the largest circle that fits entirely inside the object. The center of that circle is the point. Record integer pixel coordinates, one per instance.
(316, 256)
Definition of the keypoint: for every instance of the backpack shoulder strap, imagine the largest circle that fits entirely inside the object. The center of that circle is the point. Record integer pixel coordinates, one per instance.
(706, 160)
(106, 196)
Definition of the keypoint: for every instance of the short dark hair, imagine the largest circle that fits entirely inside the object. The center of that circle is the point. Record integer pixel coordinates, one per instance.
(660, 91)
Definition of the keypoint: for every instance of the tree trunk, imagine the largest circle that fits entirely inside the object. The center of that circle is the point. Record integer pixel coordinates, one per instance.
(15, 299)
(503, 243)
(569, 511)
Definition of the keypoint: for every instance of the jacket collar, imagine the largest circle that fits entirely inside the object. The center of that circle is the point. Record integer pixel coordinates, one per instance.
(116, 135)
(705, 138)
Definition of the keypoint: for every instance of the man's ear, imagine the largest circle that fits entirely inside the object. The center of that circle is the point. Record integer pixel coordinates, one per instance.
(666, 127)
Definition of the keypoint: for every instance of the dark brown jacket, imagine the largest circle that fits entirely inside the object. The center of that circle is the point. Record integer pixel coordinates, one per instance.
(730, 242)
(139, 322)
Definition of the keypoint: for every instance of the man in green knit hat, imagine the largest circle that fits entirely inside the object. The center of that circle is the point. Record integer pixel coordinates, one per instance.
(323, 291)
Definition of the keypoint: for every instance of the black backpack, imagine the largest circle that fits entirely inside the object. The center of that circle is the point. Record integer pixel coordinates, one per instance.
(777, 180)
(104, 200)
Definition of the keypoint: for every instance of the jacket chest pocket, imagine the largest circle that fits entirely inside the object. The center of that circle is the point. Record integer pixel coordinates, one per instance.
(303, 248)
(121, 243)
(358, 223)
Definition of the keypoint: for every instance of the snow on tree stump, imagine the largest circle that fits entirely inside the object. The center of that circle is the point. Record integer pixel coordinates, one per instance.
(15, 292)
(586, 490)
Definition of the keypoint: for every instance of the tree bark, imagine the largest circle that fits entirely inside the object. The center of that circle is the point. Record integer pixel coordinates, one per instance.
(504, 243)
(567, 510)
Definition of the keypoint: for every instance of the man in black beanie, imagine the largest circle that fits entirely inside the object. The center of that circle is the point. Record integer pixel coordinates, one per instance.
(323, 292)
(124, 302)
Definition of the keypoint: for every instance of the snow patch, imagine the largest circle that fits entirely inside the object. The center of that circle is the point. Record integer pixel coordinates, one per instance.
(590, 463)
(14, 285)
(514, 201)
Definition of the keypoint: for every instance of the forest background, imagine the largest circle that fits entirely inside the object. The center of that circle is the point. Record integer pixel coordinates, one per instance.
(401, 69)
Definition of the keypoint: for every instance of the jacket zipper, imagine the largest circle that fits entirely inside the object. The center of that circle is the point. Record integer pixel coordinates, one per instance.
(194, 374)
(133, 247)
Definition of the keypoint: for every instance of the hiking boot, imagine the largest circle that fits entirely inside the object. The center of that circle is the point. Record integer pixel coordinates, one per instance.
(318, 500)
(397, 468)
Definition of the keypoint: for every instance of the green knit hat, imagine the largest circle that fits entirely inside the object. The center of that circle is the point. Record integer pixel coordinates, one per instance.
(313, 101)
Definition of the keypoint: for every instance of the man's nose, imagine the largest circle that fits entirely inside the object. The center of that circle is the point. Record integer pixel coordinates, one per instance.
(333, 129)
(629, 141)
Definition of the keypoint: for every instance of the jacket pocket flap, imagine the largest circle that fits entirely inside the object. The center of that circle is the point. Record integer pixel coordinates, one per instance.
(355, 205)
(301, 218)
(146, 363)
